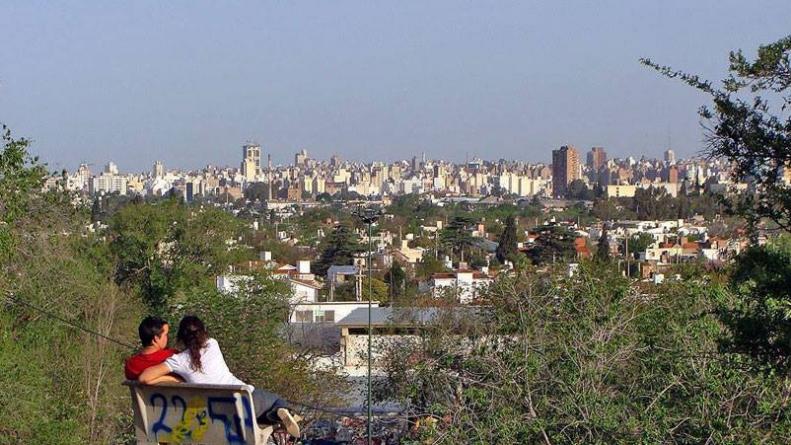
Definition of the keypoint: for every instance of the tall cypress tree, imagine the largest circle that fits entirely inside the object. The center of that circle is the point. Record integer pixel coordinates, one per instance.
(339, 249)
(507, 248)
(603, 247)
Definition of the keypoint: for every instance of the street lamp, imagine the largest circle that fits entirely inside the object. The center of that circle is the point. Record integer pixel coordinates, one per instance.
(368, 216)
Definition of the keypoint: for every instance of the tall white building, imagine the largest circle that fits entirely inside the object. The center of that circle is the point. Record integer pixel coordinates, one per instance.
(251, 161)
(159, 170)
(111, 168)
(670, 156)
(107, 183)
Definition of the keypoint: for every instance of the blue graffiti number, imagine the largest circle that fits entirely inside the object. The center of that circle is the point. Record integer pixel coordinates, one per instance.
(233, 427)
(160, 425)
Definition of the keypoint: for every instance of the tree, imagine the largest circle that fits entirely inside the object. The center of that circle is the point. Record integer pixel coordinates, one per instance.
(760, 318)
(638, 242)
(603, 247)
(338, 248)
(165, 248)
(21, 178)
(579, 190)
(507, 247)
(555, 243)
(584, 359)
(456, 235)
(396, 280)
(429, 266)
(652, 204)
(749, 126)
(257, 191)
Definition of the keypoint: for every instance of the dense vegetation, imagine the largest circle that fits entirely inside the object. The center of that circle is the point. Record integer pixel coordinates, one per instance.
(589, 359)
(62, 385)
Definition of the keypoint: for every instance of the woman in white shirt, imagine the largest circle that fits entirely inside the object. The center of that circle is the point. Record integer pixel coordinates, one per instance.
(201, 361)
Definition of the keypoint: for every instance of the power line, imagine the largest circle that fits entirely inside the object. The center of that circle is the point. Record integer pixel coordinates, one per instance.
(14, 299)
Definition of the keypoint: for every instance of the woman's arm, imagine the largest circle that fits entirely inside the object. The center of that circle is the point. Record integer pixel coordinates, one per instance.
(154, 374)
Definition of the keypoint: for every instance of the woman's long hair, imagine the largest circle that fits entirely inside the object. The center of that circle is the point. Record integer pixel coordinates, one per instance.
(193, 336)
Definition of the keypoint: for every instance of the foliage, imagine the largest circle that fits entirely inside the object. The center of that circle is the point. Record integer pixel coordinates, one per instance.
(21, 177)
(760, 318)
(165, 248)
(577, 189)
(428, 266)
(57, 384)
(248, 326)
(378, 291)
(638, 242)
(507, 247)
(555, 243)
(652, 204)
(584, 360)
(396, 280)
(456, 236)
(339, 248)
(603, 247)
(750, 127)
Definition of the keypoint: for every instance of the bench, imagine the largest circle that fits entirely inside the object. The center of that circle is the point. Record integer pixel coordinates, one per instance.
(181, 413)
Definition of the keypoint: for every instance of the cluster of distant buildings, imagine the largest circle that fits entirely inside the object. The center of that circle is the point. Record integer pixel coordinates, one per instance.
(307, 178)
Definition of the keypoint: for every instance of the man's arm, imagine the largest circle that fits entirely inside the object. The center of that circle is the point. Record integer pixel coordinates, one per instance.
(167, 378)
(156, 374)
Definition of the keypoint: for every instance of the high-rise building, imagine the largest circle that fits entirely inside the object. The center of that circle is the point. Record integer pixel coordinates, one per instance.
(565, 168)
(84, 176)
(111, 168)
(672, 174)
(301, 158)
(670, 156)
(597, 157)
(159, 169)
(251, 161)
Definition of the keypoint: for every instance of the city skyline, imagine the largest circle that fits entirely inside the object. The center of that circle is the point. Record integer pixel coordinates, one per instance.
(186, 85)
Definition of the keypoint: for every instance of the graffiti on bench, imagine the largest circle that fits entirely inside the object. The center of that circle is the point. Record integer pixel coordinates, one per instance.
(196, 416)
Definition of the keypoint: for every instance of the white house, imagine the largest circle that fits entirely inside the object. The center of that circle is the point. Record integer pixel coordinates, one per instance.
(465, 284)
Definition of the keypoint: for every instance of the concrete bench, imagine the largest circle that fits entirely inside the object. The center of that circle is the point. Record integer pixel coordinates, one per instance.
(181, 413)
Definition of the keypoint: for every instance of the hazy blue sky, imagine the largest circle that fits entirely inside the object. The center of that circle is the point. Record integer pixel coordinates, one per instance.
(188, 82)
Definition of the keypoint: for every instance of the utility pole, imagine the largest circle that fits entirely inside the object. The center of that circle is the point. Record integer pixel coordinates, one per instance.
(369, 216)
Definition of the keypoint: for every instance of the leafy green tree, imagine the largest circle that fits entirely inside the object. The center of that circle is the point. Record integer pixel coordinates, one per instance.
(258, 191)
(507, 247)
(638, 243)
(456, 236)
(554, 243)
(760, 318)
(577, 189)
(21, 178)
(249, 328)
(582, 360)
(428, 266)
(55, 383)
(652, 204)
(379, 291)
(749, 126)
(339, 248)
(165, 248)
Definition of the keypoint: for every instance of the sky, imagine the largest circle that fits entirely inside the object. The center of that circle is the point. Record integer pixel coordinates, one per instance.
(188, 82)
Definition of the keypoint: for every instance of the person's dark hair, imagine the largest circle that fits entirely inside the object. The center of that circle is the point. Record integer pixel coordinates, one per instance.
(193, 336)
(149, 328)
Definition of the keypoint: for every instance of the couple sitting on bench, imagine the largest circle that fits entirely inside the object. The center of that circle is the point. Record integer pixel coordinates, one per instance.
(200, 362)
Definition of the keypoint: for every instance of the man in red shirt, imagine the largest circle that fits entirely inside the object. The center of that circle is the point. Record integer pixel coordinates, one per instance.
(153, 333)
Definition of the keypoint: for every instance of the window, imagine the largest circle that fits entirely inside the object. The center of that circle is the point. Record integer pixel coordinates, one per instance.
(325, 316)
(305, 316)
